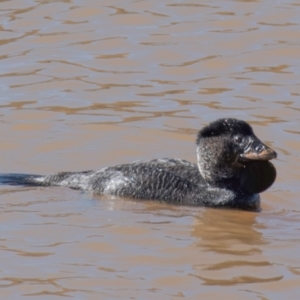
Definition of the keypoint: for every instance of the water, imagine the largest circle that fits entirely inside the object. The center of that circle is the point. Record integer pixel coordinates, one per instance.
(87, 84)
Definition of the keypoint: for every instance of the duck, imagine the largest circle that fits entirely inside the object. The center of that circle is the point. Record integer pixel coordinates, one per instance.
(233, 167)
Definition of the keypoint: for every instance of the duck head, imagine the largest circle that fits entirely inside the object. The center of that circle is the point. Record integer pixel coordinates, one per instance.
(228, 150)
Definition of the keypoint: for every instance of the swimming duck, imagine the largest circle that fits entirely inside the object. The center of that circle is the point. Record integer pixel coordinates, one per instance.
(232, 169)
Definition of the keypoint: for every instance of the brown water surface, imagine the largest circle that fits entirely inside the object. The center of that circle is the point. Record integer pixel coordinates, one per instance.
(86, 84)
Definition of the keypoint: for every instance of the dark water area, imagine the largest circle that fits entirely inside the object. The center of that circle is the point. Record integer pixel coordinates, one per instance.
(88, 84)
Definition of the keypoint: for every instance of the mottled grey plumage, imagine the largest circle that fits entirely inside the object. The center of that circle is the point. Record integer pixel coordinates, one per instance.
(171, 180)
(226, 150)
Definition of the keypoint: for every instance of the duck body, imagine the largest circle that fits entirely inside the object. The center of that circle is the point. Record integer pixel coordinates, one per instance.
(171, 180)
(233, 168)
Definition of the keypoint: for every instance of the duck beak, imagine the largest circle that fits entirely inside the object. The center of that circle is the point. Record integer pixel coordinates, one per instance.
(257, 150)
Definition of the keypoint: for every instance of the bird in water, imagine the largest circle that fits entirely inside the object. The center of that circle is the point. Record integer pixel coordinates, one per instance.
(232, 169)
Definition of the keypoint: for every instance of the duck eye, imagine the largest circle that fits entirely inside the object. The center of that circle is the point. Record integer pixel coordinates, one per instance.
(238, 139)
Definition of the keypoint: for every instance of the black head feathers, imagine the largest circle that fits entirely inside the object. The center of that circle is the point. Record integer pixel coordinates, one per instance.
(225, 126)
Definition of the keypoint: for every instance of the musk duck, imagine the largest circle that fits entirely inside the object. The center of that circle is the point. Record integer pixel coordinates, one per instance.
(232, 169)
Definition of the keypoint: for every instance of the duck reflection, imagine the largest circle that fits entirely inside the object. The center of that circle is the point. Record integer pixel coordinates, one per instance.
(232, 247)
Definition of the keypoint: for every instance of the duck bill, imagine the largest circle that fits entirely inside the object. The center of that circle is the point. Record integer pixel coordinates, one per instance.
(256, 150)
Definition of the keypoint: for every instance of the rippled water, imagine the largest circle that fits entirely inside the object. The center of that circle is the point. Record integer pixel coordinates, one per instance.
(86, 84)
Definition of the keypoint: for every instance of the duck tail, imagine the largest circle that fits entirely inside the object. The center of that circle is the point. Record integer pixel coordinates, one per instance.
(21, 179)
